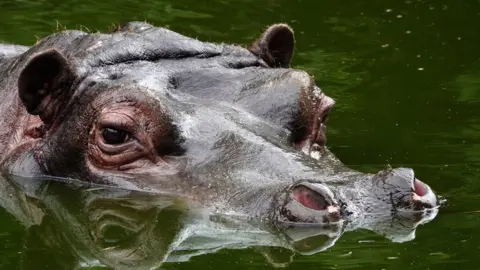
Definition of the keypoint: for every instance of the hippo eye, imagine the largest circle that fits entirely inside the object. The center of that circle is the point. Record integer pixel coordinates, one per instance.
(115, 136)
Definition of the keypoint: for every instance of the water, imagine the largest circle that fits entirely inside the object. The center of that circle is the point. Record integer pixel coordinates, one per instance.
(406, 78)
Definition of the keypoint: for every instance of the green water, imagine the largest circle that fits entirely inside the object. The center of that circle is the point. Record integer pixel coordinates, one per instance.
(406, 78)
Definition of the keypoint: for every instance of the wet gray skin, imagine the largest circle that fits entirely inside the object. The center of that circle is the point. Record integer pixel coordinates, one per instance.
(83, 224)
(233, 129)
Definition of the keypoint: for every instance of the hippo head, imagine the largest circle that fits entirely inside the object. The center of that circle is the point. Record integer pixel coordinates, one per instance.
(224, 126)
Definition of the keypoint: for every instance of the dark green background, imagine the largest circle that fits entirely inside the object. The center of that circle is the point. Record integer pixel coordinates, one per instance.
(406, 78)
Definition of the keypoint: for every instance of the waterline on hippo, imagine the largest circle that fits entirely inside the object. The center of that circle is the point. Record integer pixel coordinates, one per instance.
(99, 225)
(231, 128)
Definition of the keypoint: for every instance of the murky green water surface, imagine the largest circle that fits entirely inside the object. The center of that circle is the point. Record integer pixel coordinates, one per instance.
(406, 77)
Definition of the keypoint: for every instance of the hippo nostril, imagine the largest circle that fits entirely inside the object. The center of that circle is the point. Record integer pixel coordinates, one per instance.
(419, 188)
(326, 106)
(309, 198)
(325, 118)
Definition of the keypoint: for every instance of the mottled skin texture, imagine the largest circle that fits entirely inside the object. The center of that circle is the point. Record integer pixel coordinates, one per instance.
(221, 125)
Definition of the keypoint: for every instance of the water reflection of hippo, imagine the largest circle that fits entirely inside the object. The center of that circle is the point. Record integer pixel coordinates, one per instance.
(71, 224)
(222, 126)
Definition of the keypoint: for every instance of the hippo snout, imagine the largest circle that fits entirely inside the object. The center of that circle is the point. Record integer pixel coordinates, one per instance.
(388, 191)
(405, 191)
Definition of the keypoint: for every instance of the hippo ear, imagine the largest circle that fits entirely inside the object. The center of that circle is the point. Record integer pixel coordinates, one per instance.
(275, 46)
(42, 81)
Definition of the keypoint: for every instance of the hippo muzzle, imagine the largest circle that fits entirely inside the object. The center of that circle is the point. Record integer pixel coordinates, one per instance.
(402, 187)
(393, 190)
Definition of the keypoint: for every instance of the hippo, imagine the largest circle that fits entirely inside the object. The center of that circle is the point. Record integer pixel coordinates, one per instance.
(234, 129)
